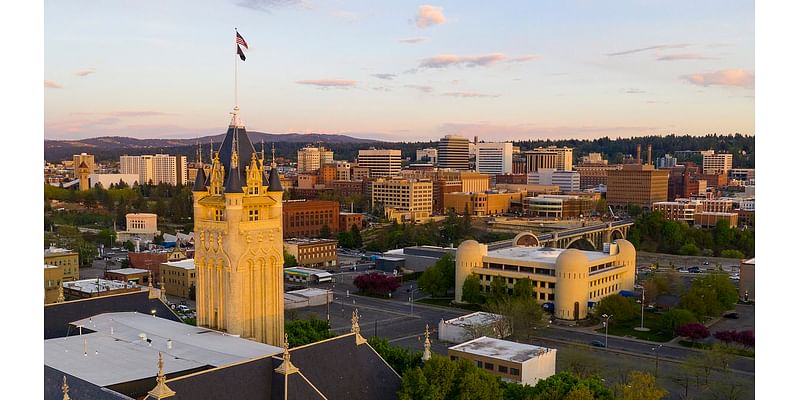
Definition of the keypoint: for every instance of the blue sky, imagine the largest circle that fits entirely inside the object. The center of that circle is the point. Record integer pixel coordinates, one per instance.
(400, 70)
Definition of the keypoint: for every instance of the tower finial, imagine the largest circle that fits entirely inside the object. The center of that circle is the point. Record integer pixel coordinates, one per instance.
(161, 391)
(426, 354)
(273, 156)
(286, 366)
(354, 328)
(60, 298)
(65, 389)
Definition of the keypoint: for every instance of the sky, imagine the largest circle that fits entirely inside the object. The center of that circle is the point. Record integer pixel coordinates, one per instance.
(400, 70)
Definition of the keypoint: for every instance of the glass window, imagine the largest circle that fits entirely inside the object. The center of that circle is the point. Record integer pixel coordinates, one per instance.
(489, 366)
(514, 372)
(502, 368)
(479, 363)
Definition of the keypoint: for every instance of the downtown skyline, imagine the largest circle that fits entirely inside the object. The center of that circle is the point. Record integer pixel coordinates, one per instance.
(400, 71)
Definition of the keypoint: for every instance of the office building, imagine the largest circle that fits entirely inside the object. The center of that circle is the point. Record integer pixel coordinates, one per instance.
(404, 199)
(327, 174)
(139, 226)
(381, 163)
(717, 163)
(637, 184)
(480, 204)
(66, 259)
(138, 276)
(558, 206)
(567, 181)
(472, 181)
(679, 210)
(453, 152)
(348, 219)
(155, 169)
(343, 171)
(521, 363)
(53, 277)
(742, 174)
(573, 280)
(238, 222)
(179, 278)
(708, 219)
(87, 159)
(494, 158)
(559, 158)
(311, 158)
(106, 180)
(313, 253)
(306, 218)
(594, 175)
(427, 155)
(667, 161)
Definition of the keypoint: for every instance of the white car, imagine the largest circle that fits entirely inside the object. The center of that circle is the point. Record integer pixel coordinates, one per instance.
(735, 277)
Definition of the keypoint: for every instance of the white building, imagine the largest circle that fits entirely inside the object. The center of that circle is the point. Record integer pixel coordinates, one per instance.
(472, 326)
(567, 181)
(511, 361)
(381, 163)
(428, 154)
(106, 180)
(159, 168)
(717, 163)
(310, 158)
(494, 158)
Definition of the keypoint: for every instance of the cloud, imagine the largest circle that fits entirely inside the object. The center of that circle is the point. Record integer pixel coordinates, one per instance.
(382, 89)
(52, 85)
(413, 40)
(635, 91)
(85, 71)
(424, 89)
(428, 15)
(387, 77)
(528, 57)
(469, 94)
(447, 60)
(328, 83)
(685, 56)
(346, 15)
(726, 77)
(657, 47)
(268, 5)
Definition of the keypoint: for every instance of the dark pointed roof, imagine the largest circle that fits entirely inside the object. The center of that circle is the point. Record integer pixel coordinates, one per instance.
(233, 181)
(78, 388)
(244, 149)
(83, 165)
(200, 181)
(274, 181)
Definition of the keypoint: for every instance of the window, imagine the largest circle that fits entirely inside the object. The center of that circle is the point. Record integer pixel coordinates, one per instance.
(453, 358)
(514, 372)
(502, 368)
(479, 363)
(489, 366)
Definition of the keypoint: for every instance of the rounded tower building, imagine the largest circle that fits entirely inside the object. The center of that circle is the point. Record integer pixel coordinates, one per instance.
(572, 289)
(469, 255)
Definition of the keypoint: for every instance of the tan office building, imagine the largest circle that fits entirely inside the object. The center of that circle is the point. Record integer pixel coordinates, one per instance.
(66, 259)
(408, 198)
(475, 182)
(313, 253)
(679, 210)
(311, 158)
(381, 163)
(717, 164)
(559, 158)
(526, 364)
(639, 184)
(179, 278)
(53, 276)
(480, 204)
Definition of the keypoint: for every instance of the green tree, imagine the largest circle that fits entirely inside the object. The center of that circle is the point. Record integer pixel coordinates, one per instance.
(621, 307)
(634, 210)
(601, 206)
(440, 277)
(355, 233)
(325, 231)
(471, 290)
(730, 253)
(558, 387)
(674, 318)
(640, 386)
(107, 237)
(580, 392)
(305, 331)
(129, 245)
(399, 358)
(689, 249)
(523, 288)
(441, 379)
(345, 239)
(288, 259)
(498, 289)
(710, 295)
(521, 316)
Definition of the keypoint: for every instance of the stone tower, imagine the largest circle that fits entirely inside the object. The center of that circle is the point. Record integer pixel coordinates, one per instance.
(238, 229)
(83, 177)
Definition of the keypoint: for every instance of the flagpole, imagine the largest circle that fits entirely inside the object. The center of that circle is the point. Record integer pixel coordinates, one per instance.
(236, 73)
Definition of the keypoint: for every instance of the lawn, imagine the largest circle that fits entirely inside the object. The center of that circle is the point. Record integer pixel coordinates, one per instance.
(651, 320)
(730, 349)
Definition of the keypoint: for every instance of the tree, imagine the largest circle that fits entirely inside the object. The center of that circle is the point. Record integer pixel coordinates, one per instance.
(601, 206)
(634, 210)
(640, 386)
(441, 379)
(498, 289)
(693, 331)
(376, 283)
(621, 307)
(521, 316)
(355, 233)
(440, 277)
(674, 318)
(580, 392)
(399, 358)
(558, 387)
(730, 253)
(345, 239)
(689, 249)
(467, 218)
(710, 295)
(305, 331)
(523, 288)
(471, 290)
(325, 231)
(288, 259)
(158, 239)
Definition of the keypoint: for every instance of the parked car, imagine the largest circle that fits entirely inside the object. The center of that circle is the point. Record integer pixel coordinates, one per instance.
(182, 308)
(705, 263)
(732, 315)
(597, 343)
(694, 270)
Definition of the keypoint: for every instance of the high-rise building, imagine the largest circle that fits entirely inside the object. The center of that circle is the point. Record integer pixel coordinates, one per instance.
(155, 169)
(567, 181)
(77, 159)
(381, 163)
(494, 158)
(667, 161)
(717, 163)
(238, 227)
(411, 197)
(453, 152)
(427, 155)
(637, 184)
(343, 172)
(311, 158)
(594, 174)
(559, 158)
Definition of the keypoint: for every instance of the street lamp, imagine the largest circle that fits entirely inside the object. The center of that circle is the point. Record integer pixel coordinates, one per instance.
(411, 299)
(642, 328)
(605, 324)
(656, 349)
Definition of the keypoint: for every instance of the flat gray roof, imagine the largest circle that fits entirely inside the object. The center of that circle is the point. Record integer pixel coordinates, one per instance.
(122, 355)
(128, 271)
(542, 255)
(476, 318)
(501, 349)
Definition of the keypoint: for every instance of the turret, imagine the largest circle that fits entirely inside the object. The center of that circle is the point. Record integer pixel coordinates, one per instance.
(469, 255)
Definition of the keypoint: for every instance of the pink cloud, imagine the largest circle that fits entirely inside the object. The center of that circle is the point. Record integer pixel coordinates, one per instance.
(85, 71)
(469, 94)
(686, 56)
(726, 77)
(52, 85)
(428, 15)
(447, 60)
(641, 49)
(326, 83)
(423, 89)
(525, 58)
(413, 40)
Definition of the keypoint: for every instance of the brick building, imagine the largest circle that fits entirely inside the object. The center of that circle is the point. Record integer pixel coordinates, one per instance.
(305, 218)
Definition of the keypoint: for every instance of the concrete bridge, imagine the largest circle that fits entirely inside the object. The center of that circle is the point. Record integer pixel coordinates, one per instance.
(589, 237)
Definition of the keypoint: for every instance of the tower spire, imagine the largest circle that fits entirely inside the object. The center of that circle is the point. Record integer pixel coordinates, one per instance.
(273, 156)
(426, 354)
(65, 389)
(354, 328)
(161, 391)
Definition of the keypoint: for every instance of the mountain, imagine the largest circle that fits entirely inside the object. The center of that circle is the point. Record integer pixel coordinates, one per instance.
(110, 147)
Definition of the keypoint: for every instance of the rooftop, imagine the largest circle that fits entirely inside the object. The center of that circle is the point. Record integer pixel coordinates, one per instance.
(501, 349)
(119, 351)
(308, 241)
(97, 285)
(476, 318)
(184, 264)
(129, 271)
(542, 255)
(57, 251)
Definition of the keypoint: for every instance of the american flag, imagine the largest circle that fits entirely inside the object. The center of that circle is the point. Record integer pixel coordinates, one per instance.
(240, 40)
